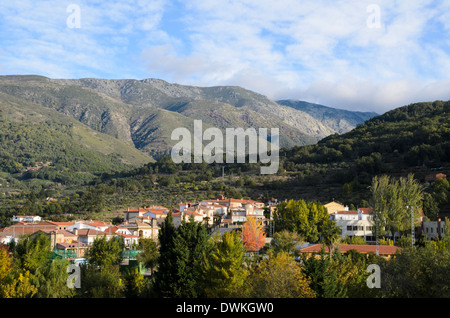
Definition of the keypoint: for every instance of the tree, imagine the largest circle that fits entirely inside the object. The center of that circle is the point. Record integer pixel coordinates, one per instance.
(149, 256)
(422, 272)
(165, 278)
(430, 206)
(5, 272)
(393, 201)
(324, 281)
(308, 219)
(253, 234)
(181, 253)
(104, 252)
(285, 241)
(53, 280)
(32, 253)
(134, 283)
(223, 270)
(331, 234)
(103, 282)
(279, 276)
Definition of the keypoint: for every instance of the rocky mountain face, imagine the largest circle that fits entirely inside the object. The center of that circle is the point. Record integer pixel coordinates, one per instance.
(143, 113)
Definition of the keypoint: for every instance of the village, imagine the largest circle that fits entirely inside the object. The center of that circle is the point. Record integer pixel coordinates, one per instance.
(72, 239)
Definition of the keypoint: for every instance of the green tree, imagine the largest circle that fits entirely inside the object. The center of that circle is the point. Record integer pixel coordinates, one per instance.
(53, 280)
(392, 202)
(105, 252)
(149, 256)
(308, 219)
(103, 282)
(181, 253)
(285, 241)
(324, 280)
(134, 284)
(32, 252)
(224, 272)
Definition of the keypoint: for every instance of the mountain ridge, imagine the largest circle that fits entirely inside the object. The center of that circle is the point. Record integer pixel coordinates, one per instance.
(142, 113)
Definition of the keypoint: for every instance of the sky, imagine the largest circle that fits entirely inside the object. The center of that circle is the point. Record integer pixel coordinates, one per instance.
(363, 55)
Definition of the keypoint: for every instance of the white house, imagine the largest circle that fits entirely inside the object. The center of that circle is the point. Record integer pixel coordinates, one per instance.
(26, 218)
(91, 225)
(433, 229)
(355, 223)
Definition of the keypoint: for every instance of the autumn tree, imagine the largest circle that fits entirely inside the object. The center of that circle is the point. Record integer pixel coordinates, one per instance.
(279, 276)
(253, 234)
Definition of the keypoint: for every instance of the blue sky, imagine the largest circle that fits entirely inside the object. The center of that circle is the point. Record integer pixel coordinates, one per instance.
(363, 55)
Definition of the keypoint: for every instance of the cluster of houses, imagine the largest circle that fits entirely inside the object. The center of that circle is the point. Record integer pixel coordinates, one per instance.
(75, 237)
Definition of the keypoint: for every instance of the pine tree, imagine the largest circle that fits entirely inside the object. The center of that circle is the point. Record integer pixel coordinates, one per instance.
(223, 270)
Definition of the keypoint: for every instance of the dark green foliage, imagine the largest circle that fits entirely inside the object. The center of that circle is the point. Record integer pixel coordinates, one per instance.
(105, 252)
(181, 250)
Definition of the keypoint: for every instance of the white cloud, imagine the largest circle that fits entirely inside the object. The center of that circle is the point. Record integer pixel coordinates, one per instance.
(311, 50)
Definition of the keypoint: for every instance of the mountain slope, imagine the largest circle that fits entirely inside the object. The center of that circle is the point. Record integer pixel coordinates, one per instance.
(409, 136)
(30, 133)
(338, 120)
(143, 113)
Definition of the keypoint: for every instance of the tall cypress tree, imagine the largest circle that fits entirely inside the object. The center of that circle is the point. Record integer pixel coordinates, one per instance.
(181, 252)
(165, 278)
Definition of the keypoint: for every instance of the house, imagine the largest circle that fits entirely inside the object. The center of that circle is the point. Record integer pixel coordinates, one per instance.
(20, 228)
(142, 229)
(93, 225)
(433, 230)
(88, 236)
(159, 214)
(72, 250)
(334, 206)
(434, 177)
(385, 251)
(186, 215)
(57, 236)
(129, 239)
(26, 218)
(156, 211)
(355, 223)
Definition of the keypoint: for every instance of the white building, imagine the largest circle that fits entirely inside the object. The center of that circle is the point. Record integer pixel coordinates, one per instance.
(26, 218)
(355, 223)
(433, 229)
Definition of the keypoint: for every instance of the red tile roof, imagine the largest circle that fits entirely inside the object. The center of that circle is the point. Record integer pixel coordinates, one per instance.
(366, 249)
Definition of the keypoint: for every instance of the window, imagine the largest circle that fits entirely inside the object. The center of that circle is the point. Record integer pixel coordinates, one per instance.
(349, 227)
(355, 228)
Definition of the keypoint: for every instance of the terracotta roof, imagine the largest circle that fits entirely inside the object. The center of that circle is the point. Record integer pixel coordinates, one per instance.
(91, 232)
(367, 249)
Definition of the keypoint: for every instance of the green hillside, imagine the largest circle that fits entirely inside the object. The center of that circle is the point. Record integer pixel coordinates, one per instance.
(59, 148)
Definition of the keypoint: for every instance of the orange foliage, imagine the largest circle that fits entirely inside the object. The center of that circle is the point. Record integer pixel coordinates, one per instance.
(253, 234)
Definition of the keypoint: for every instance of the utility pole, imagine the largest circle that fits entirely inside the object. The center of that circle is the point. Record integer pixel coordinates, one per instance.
(412, 227)
(376, 233)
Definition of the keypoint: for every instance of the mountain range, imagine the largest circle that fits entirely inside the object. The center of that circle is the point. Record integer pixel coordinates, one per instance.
(134, 119)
